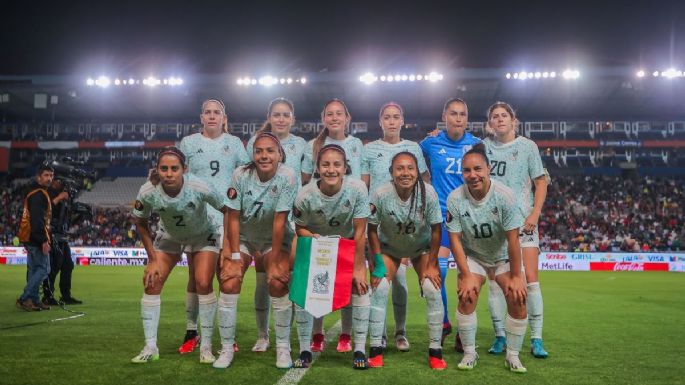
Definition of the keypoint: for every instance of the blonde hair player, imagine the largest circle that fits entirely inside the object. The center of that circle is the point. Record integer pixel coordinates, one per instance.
(483, 221)
(181, 201)
(212, 156)
(515, 161)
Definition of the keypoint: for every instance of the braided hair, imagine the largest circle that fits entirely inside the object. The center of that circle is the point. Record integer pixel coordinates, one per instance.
(418, 193)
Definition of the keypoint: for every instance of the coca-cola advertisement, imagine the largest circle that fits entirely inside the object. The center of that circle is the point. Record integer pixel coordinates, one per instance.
(628, 266)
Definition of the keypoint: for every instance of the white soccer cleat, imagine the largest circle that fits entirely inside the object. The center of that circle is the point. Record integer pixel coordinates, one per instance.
(148, 354)
(225, 358)
(283, 359)
(402, 343)
(206, 356)
(514, 364)
(261, 345)
(468, 362)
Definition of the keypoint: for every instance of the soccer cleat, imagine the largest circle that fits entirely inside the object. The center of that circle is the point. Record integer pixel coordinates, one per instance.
(401, 342)
(27, 305)
(261, 345)
(344, 343)
(206, 356)
(224, 360)
(498, 346)
(446, 330)
(359, 361)
(146, 355)
(468, 362)
(513, 363)
(69, 300)
(435, 360)
(458, 346)
(303, 361)
(536, 348)
(376, 357)
(283, 359)
(318, 343)
(190, 342)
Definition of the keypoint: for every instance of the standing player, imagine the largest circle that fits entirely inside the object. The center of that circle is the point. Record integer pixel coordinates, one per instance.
(483, 220)
(405, 221)
(212, 156)
(444, 154)
(515, 161)
(260, 197)
(336, 119)
(279, 119)
(336, 205)
(375, 166)
(181, 201)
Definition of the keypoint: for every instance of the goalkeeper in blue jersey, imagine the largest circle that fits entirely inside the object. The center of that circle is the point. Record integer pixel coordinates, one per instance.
(443, 150)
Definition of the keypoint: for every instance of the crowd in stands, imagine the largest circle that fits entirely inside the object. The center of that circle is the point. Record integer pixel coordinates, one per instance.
(581, 213)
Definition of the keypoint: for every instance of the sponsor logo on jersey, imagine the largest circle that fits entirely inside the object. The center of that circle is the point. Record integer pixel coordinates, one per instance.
(442, 151)
(466, 215)
(249, 193)
(393, 213)
(199, 151)
(380, 155)
(139, 205)
(232, 193)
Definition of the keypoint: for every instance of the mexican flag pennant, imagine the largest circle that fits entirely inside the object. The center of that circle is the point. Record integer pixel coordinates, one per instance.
(322, 276)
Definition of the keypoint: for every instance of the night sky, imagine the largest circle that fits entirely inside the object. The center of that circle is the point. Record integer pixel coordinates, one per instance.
(74, 38)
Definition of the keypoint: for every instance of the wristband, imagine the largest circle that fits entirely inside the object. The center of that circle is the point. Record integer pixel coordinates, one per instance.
(379, 269)
(235, 256)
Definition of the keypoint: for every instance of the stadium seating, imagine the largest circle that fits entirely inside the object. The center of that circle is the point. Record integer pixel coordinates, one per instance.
(113, 193)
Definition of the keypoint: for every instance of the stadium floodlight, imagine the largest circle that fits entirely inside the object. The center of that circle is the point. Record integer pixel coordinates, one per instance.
(530, 75)
(282, 81)
(434, 77)
(267, 81)
(508, 75)
(124, 82)
(382, 78)
(239, 81)
(640, 74)
(538, 75)
(303, 80)
(545, 75)
(117, 82)
(552, 74)
(390, 78)
(419, 77)
(655, 74)
(570, 74)
(412, 77)
(516, 75)
(289, 80)
(253, 81)
(131, 81)
(103, 82)
(90, 82)
(368, 78)
(671, 73)
(398, 77)
(523, 75)
(405, 78)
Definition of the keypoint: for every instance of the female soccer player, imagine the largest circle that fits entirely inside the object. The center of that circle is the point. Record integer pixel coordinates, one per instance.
(280, 117)
(336, 119)
(375, 166)
(336, 205)
(405, 221)
(444, 153)
(212, 156)
(515, 161)
(260, 197)
(483, 221)
(181, 201)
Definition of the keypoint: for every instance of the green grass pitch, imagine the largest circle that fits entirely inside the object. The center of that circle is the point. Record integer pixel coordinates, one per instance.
(600, 328)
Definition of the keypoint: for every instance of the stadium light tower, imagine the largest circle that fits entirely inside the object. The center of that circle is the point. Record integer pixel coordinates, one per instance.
(368, 78)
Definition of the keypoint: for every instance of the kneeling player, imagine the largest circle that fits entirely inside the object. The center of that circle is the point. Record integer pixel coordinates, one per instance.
(483, 220)
(405, 222)
(181, 201)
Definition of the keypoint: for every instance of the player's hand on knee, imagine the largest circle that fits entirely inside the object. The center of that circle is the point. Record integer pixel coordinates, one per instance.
(468, 288)
(434, 277)
(232, 269)
(517, 290)
(359, 281)
(152, 274)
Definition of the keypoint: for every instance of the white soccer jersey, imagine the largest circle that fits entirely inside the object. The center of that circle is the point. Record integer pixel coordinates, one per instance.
(332, 215)
(354, 151)
(213, 161)
(184, 216)
(483, 224)
(516, 164)
(378, 155)
(259, 201)
(403, 230)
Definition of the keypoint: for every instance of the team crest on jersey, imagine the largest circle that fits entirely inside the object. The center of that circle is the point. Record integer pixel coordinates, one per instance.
(297, 213)
(273, 191)
(515, 154)
(347, 206)
(372, 207)
(354, 150)
(139, 205)
(191, 205)
(291, 148)
(449, 217)
(232, 193)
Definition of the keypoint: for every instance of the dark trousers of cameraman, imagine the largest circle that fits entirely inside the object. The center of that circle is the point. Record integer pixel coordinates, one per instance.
(62, 264)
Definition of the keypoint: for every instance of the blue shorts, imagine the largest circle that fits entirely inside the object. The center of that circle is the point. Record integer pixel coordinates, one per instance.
(445, 238)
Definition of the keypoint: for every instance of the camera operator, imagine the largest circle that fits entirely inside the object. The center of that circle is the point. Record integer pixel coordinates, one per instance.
(60, 254)
(34, 233)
